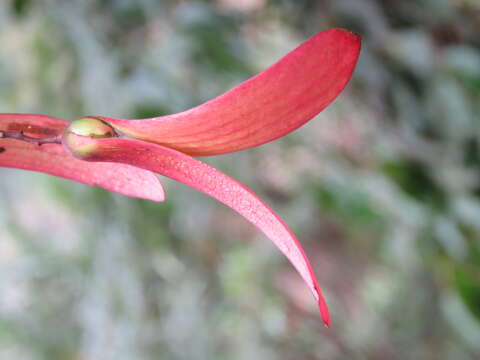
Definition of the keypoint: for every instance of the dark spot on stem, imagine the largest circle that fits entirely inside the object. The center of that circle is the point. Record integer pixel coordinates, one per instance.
(2, 149)
(33, 129)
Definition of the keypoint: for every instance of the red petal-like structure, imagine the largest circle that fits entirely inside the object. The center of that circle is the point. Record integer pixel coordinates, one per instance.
(200, 176)
(270, 105)
(53, 159)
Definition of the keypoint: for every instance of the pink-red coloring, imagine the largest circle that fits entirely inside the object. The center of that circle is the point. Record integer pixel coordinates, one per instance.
(122, 155)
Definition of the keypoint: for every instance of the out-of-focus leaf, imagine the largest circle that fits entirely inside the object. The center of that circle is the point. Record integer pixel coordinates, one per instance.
(348, 204)
(467, 281)
(415, 180)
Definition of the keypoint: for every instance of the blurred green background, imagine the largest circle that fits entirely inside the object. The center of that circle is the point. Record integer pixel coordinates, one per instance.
(382, 188)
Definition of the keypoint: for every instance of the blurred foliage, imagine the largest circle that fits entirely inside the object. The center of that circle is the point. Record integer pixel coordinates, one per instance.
(383, 188)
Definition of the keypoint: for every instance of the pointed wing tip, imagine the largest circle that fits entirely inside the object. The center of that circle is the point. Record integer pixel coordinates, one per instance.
(326, 319)
(323, 307)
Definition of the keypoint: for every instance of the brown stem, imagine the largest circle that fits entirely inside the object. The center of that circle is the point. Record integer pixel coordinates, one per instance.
(19, 135)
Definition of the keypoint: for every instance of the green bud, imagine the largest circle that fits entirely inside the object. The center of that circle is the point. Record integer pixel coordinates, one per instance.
(91, 127)
(78, 135)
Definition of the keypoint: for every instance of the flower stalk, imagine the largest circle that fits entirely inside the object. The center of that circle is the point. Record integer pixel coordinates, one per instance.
(38, 141)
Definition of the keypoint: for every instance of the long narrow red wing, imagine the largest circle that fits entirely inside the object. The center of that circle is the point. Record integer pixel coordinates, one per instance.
(270, 105)
(200, 176)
